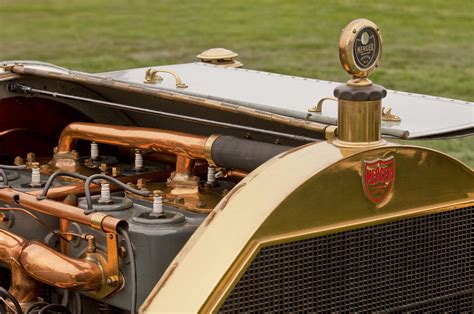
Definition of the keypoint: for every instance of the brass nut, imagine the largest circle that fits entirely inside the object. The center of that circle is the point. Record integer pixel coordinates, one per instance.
(103, 167)
(141, 183)
(112, 281)
(19, 161)
(116, 171)
(122, 252)
(44, 168)
(30, 157)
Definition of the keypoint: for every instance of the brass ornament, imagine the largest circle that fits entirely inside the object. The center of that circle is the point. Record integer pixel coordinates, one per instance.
(360, 49)
(387, 115)
(152, 77)
(220, 57)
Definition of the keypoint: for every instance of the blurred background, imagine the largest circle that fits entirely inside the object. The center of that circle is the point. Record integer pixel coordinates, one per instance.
(428, 45)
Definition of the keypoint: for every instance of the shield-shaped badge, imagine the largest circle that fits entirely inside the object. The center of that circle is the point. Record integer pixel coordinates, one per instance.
(378, 176)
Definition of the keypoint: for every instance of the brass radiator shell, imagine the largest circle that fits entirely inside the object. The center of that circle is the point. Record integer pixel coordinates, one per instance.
(289, 199)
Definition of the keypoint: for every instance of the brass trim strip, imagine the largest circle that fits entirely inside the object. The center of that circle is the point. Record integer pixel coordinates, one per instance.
(96, 220)
(208, 149)
(331, 132)
(361, 223)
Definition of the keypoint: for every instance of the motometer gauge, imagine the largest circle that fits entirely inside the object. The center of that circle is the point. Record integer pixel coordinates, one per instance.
(360, 48)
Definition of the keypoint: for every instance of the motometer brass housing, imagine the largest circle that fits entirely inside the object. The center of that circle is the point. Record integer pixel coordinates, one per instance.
(360, 49)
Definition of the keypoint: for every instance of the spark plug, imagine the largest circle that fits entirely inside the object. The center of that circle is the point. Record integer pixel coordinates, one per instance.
(138, 160)
(94, 151)
(35, 175)
(105, 194)
(211, 175)
(158, 211)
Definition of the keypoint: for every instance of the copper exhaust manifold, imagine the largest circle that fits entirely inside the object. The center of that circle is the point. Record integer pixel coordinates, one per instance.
(32, 262)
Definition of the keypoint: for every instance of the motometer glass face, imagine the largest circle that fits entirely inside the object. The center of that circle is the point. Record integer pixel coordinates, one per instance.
(360, 47)
(366, 47)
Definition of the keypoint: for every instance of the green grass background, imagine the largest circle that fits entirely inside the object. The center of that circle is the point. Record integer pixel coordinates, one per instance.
(428, 45)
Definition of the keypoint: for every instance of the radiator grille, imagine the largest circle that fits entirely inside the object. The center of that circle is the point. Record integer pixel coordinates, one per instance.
(416, 264)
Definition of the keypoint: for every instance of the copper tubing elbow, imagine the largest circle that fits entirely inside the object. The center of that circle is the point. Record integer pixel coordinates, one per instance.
(23, 287)
(53, 268)
(32, 262)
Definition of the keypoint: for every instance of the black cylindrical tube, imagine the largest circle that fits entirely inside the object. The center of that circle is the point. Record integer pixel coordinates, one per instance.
(236, 153)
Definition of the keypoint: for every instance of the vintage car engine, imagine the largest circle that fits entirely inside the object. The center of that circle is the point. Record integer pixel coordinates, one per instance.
(205, 187)
(159, 185)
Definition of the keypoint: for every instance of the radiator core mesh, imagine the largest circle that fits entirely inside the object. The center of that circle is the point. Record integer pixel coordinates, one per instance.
(423, 263)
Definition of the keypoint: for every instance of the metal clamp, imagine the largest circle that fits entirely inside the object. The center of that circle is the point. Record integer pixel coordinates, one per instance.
(319, 106)
(388, 116)
(151, 77)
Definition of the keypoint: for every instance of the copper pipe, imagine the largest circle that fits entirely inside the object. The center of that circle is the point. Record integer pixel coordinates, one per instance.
(33, 261)
(161, 157)
(23, 287)
(71, 199)
(189, 145)
(236, 173)
(61, 210)
(184, 166)
(53, 268)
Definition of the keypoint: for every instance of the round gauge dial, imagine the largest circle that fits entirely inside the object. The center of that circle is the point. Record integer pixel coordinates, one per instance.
(360, 47)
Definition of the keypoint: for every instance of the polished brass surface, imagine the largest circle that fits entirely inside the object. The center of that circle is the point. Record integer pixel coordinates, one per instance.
(359, 122)
(387, 115)
(208, 149)
(97, 219)
(152, 77)
(331, 132)
(217, 54)
(346, 54)
(112, 266)
(352, 210)
(359, 82)
(319, 106)
(302, 199)
(112, 279)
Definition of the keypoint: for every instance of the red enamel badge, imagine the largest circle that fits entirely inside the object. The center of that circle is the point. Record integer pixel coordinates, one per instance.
(378, 176)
